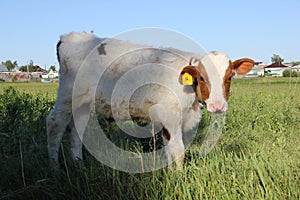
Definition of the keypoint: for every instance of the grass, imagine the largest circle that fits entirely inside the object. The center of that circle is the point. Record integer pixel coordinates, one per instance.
(257, 157)
(32, 87)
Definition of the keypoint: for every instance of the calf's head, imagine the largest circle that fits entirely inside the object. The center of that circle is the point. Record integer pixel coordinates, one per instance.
(211, 75)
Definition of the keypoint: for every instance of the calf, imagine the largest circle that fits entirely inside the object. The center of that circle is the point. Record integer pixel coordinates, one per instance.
(185, 82)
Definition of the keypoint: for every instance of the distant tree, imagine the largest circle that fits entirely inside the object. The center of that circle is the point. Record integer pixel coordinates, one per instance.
(286, 73)
(23, 68)
(294, 74)
(276, 58)
(52, 67)
(30, 67)
(10, 65)
(295, 63)
(14, 79)
(289, 73)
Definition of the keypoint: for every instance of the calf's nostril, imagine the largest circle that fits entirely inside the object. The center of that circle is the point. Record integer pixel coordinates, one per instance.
(217, 107)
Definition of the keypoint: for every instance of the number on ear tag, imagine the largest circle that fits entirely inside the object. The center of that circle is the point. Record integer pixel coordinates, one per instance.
(187, 79)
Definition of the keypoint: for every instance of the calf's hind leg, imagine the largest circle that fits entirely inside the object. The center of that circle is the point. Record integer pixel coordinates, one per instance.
(75, 142)
(57, 122)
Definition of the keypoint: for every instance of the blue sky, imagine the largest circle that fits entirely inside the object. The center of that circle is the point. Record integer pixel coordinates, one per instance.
(256, 29)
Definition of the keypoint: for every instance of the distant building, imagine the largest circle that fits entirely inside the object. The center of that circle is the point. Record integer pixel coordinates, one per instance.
(52, 76)
(39, 69)
(275, 69)
(257, 70)
(296, 68)
(19, 76)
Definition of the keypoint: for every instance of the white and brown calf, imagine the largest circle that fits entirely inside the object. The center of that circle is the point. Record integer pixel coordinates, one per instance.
(206, 81)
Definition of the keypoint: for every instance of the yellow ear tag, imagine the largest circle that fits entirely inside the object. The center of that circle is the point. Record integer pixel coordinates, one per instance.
(187, 79)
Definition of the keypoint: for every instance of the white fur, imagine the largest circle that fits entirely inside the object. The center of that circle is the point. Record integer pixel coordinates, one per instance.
(77, 52)
(216, 64)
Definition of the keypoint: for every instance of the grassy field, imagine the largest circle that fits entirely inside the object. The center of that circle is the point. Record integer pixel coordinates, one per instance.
(257, 157)
(35, 88)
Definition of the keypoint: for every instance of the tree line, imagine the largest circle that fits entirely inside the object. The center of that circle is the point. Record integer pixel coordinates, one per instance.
(31, 67)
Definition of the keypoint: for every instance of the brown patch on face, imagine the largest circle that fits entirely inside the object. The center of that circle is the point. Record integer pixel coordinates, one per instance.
(166, 134)
(201, 82)
(190, 70)
(227, 80)
(203, 88)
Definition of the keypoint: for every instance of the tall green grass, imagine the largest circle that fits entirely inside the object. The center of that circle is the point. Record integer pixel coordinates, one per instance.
(257, 156)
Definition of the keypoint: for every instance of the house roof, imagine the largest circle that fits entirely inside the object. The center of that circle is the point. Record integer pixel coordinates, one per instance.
(276, 65)
(258, 63)
(3, 68)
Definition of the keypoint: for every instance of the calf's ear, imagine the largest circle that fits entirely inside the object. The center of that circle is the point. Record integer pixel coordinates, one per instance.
(242, 66)
(188, 75)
